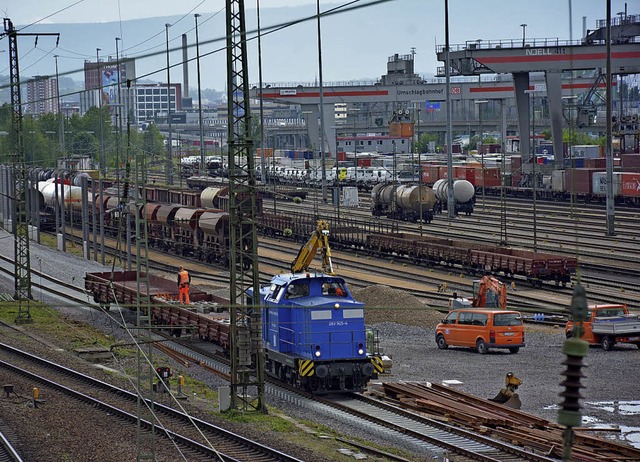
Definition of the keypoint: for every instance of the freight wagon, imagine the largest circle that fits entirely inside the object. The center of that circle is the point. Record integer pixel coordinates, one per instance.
(207, 315)
(476, 258)
(383, 239)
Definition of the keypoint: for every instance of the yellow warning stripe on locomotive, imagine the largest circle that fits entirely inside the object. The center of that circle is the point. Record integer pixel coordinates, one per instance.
(305, 368)
(377, 363)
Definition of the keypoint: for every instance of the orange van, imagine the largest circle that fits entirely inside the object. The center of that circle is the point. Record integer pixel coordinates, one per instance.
(482, 330)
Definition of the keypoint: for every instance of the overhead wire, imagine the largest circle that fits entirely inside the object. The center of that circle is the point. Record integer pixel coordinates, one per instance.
(352, 6)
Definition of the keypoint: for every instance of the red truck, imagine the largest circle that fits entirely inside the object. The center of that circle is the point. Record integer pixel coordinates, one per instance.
(607, 325)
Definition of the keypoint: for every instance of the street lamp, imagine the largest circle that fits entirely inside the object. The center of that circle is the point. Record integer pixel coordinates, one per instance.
(170, 152)
(524, 27)
(202, 166)
(480, 102)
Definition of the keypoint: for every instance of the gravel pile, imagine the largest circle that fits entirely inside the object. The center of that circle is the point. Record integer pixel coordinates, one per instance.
(406, 327)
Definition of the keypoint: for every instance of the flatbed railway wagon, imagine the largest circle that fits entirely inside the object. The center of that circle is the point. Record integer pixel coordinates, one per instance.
(207, 314)
(475, 258)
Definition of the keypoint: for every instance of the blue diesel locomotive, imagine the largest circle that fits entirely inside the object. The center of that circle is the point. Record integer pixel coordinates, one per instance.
(313, 330)
(314, 334)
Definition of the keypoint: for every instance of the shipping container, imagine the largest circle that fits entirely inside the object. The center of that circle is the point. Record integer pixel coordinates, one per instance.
(401, 129)
(578, 180)
(630, 184)
(630, 161)
(598, 162)
(586, 151)
(575, 163)
(545, 149)
(558, 181)
(600, 184)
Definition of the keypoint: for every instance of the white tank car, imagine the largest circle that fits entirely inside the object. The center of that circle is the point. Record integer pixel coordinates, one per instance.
(72, 194)
(463, 190)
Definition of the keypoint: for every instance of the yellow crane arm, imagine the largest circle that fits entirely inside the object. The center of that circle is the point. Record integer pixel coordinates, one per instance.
(319, 240)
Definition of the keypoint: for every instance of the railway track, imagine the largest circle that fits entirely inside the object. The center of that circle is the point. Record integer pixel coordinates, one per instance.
(472, 447)
(420, 281)
(200, 439)
(427, 435)
(8, 452)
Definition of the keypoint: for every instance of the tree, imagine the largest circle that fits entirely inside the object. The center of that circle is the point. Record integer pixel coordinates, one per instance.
(153, 144)
(422, 145)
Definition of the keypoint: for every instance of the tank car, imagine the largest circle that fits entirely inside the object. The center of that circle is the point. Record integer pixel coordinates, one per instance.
(463, 194)
(403, 202)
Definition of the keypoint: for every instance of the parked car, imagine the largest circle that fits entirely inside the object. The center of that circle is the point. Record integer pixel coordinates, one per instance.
(481, 330)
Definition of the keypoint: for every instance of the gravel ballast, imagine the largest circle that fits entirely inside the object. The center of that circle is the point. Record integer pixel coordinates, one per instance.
(406, 327)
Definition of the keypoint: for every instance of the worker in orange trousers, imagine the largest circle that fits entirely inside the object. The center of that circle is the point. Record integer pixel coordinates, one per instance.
(184, 280)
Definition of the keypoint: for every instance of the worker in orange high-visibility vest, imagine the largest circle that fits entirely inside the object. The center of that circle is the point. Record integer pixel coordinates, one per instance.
(184, 280)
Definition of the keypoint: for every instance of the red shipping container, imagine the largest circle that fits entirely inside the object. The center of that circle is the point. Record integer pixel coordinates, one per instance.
(342, 156)
(579, 180)
(597, 162)
(631, 161)
(630, 183)
(442, 172)
(364, 162)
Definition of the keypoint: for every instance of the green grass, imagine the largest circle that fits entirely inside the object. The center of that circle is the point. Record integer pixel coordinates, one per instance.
(47, 322)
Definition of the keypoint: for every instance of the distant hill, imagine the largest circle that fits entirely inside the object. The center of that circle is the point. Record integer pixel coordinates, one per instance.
(355, 46)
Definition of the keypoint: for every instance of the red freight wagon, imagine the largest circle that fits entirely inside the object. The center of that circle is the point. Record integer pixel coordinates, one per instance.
(462, 172)
(491, 177)
(533, 265)
(430, 174)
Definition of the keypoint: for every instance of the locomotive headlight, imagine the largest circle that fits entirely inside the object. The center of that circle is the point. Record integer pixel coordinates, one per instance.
(317, 353)
(360, 349)
(336, 306)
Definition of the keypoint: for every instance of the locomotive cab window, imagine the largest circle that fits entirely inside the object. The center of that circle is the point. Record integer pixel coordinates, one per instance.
(336, 289)
(297, 290)
(275, 292)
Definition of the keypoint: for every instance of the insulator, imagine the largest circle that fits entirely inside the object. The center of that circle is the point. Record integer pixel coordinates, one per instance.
(569, 414)
(572, 384)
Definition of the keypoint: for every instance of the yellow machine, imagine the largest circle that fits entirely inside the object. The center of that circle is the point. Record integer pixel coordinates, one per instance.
(319, 240)
(508, 396)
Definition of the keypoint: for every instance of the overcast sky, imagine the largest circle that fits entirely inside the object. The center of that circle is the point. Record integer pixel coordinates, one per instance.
(291, 55)
(483, 11)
